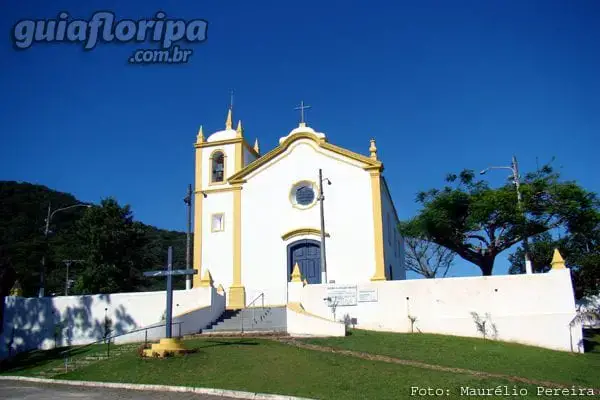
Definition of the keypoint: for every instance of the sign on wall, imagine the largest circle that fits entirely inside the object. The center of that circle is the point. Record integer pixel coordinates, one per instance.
(367, 295)
(342, 295)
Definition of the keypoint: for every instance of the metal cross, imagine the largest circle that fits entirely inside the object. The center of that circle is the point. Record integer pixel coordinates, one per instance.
(231, 99)
(169, 272)
(302, 108)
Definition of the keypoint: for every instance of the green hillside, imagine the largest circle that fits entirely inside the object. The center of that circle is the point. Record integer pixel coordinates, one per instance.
(112, 245)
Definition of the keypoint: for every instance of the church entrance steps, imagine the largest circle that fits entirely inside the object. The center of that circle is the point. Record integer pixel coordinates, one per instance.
(256, 319)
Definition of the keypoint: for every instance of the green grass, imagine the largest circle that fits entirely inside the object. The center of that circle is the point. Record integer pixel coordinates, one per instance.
(270, 367)
(477, 354)
(34, 362)
(266, 366)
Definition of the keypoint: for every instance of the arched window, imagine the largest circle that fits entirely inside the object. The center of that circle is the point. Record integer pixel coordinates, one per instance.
(218, 167)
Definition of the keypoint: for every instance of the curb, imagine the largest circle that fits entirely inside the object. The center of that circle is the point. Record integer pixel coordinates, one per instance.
(158, 388)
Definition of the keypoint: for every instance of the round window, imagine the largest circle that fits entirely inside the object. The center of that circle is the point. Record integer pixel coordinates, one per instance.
(303, 194)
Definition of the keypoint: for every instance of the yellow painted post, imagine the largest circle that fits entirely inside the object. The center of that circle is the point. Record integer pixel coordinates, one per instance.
(377, 225)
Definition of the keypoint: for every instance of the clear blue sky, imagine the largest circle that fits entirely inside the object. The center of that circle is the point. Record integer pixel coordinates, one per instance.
(441, 85)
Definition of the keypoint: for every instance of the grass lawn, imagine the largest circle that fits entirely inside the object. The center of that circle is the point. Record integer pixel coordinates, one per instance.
(477, 354)
(34, 362)
(266, 366)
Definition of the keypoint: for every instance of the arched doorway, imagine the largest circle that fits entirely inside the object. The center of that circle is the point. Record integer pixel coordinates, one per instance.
(307, 253)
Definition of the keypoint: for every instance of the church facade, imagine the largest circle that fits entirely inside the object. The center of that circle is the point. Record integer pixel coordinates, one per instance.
(257, 216)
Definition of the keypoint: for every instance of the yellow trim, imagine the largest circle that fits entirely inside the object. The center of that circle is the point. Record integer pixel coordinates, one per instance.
(239, 157)
(237, 293)
(298, 308)
(228, 141)
(301, 232)
(220, 190)
(198, 197)
(212, 229)
(377, 226)
(210, 161)
(368, 162)
(300, 206)
(228, 121)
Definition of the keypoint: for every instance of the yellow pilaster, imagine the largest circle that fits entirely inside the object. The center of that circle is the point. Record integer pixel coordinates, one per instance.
(377, 225)
(239, 148)
(198, 197)
(237, 292)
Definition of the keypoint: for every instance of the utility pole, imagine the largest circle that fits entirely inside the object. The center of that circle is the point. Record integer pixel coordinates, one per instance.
(68, 264)
(323, 258)
(188, 256)
(43, 266)
(515, 170)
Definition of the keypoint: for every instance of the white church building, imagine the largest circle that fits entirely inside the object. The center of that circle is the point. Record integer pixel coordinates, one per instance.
(258, 215)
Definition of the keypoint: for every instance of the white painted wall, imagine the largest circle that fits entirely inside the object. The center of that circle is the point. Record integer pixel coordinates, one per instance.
(301, 323)
(217, 247)
(529, 309)
(393, 249)
(248, 156)
(267, 214)
(30, 323)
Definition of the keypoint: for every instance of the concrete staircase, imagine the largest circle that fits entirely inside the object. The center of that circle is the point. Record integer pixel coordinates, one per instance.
(260, 320)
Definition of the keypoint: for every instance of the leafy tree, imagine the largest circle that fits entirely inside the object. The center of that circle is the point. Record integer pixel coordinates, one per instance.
(478, 222)
(427, 258)
(112, 243)
(580, 248)
(23, 209)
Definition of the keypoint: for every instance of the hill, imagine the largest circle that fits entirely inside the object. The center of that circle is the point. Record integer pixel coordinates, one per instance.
(23, 210)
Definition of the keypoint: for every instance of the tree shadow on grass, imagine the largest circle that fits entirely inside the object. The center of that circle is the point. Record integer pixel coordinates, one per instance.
(36, 358)
(591, 340)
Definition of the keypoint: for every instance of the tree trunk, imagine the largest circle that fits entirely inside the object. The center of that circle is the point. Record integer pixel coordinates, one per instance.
(487, 265)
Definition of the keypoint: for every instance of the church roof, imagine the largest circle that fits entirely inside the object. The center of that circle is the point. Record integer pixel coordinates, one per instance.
(304, 132)
(222, 135)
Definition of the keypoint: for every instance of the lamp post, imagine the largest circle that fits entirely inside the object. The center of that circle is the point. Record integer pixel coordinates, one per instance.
(514, 168)
(46, 232)
(321, 199)
(68, 264)
(188, 201)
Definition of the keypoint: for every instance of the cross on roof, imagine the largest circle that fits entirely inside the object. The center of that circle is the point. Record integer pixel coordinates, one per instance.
(231, 99)
(302, 107)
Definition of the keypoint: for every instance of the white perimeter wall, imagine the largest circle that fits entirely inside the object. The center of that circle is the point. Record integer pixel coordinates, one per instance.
(529, 309)
(31, 323)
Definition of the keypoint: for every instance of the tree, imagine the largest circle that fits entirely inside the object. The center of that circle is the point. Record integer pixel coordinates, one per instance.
(111, 243)
(478, 222)
(427, 258)
(580, 248)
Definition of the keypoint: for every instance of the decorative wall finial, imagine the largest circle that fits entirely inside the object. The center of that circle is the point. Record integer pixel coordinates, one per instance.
(296, 276)
(206, 280)
(256, 148)
(200, 137)
(228, 123)
(373, 150)
(239, 129)
(557, 261)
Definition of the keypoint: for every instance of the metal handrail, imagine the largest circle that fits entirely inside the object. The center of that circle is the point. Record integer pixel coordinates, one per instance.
(107, 339)
(261, 295)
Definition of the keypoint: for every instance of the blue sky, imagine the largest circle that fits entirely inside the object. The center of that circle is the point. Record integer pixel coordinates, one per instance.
(441, 85)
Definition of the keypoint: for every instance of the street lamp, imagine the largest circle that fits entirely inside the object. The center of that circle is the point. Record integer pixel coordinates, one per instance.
(321, 199)
(67, 283)
(46, 232)
(514, 168)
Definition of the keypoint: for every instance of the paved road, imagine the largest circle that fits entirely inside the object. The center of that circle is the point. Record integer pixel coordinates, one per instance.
(15, 390)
